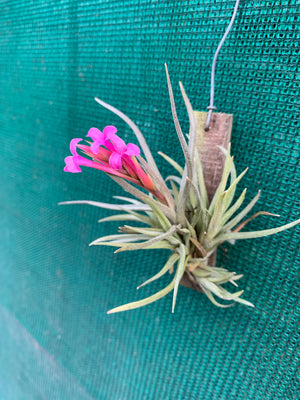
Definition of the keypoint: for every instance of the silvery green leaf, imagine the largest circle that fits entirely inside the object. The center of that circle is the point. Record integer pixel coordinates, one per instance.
(222, 279)
(141, 217)
(138, 133)
(195, 196)
(200, 181)
(160, 183)
(129, 200)
(175, 191)
(182, 198)
(179, 272)
(211, 297)
(172, 162)
(129, 188)
(232, 179)
(242, 224)
(215, 222)
(191, 229)
(163, 244)
(199, 246)
(192, 120)
(255, 234)
(232, 174)
(119, 207)
(221, 292)
(222, 185)
(245, 302)
(171, 261)
(231, 190)
(123, 237)
(242, 214)
(174, 178)
(150, 242)
(180, 135)
(228, 214)
(158, 211)
(143, 196)
(145, 231)
(144, 302)
(119, 217)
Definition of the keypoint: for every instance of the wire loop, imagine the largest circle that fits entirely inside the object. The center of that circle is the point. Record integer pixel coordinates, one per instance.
(211, 106)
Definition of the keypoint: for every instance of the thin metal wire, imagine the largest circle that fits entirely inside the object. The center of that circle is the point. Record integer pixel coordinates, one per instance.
(211, 106)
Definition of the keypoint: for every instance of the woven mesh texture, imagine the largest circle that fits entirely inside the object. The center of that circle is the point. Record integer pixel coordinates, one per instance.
(56, 340)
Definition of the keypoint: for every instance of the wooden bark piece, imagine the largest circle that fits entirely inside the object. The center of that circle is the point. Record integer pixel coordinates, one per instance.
(212, 159)
(207, 144)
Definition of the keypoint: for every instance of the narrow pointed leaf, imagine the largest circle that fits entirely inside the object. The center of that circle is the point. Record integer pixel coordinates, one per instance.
(212, 299)
(192, 120)
(182, 198)
(244, 223)
(145, 231)
(199, 247)
(215, 222)
(174, 191)
(119, 217)
(231, 190)
(255, 234)
(163, 220)
(200, 181)
(174, 164)
(178, 128)
(245, 302)
(144, 302)
(129, 199)
(242, 214)
(141, 217)
(119, 207)
(140, 137)
(161, 185)
(228, 214)
(222, 185)
(120, 237)
(179, 272)
(175, 179)
(143, 196)
(171, 261)
(149, 242)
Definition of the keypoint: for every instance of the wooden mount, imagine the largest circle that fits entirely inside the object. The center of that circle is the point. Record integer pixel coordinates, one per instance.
(212, 159)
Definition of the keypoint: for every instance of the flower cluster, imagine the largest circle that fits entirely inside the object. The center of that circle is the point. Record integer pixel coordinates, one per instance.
(109, 153)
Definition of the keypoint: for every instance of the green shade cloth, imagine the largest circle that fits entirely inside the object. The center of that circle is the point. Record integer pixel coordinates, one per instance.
(56, 340)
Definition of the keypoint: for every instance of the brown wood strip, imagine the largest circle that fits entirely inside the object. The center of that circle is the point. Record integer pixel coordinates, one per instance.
(212, 160)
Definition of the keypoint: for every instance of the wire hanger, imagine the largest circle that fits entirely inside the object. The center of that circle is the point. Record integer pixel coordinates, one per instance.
(211, 106)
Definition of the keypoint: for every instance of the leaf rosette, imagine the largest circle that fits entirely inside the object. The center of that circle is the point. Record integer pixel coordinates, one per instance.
(175, 212)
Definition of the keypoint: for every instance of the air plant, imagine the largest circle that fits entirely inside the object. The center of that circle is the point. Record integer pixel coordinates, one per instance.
(176, 212)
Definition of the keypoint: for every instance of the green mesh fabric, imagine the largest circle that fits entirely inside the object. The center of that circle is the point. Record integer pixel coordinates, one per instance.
(56, 340)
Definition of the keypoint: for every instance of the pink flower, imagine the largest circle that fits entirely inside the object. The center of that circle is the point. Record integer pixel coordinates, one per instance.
(110, 154)
(73, 162)
(114, 143)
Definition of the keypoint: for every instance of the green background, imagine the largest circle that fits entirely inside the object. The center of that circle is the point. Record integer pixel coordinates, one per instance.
(56, 340)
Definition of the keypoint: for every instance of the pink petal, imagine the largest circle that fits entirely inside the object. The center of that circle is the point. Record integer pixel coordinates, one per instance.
(73, 145)
(109, 130)
(95, 134)
(132, 150)
(118, 143)
(95, 147)
(115, 161)
(71, 165)
(79, 160)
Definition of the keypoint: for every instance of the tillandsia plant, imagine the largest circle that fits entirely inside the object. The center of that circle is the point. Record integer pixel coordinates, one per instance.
(176, 211)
